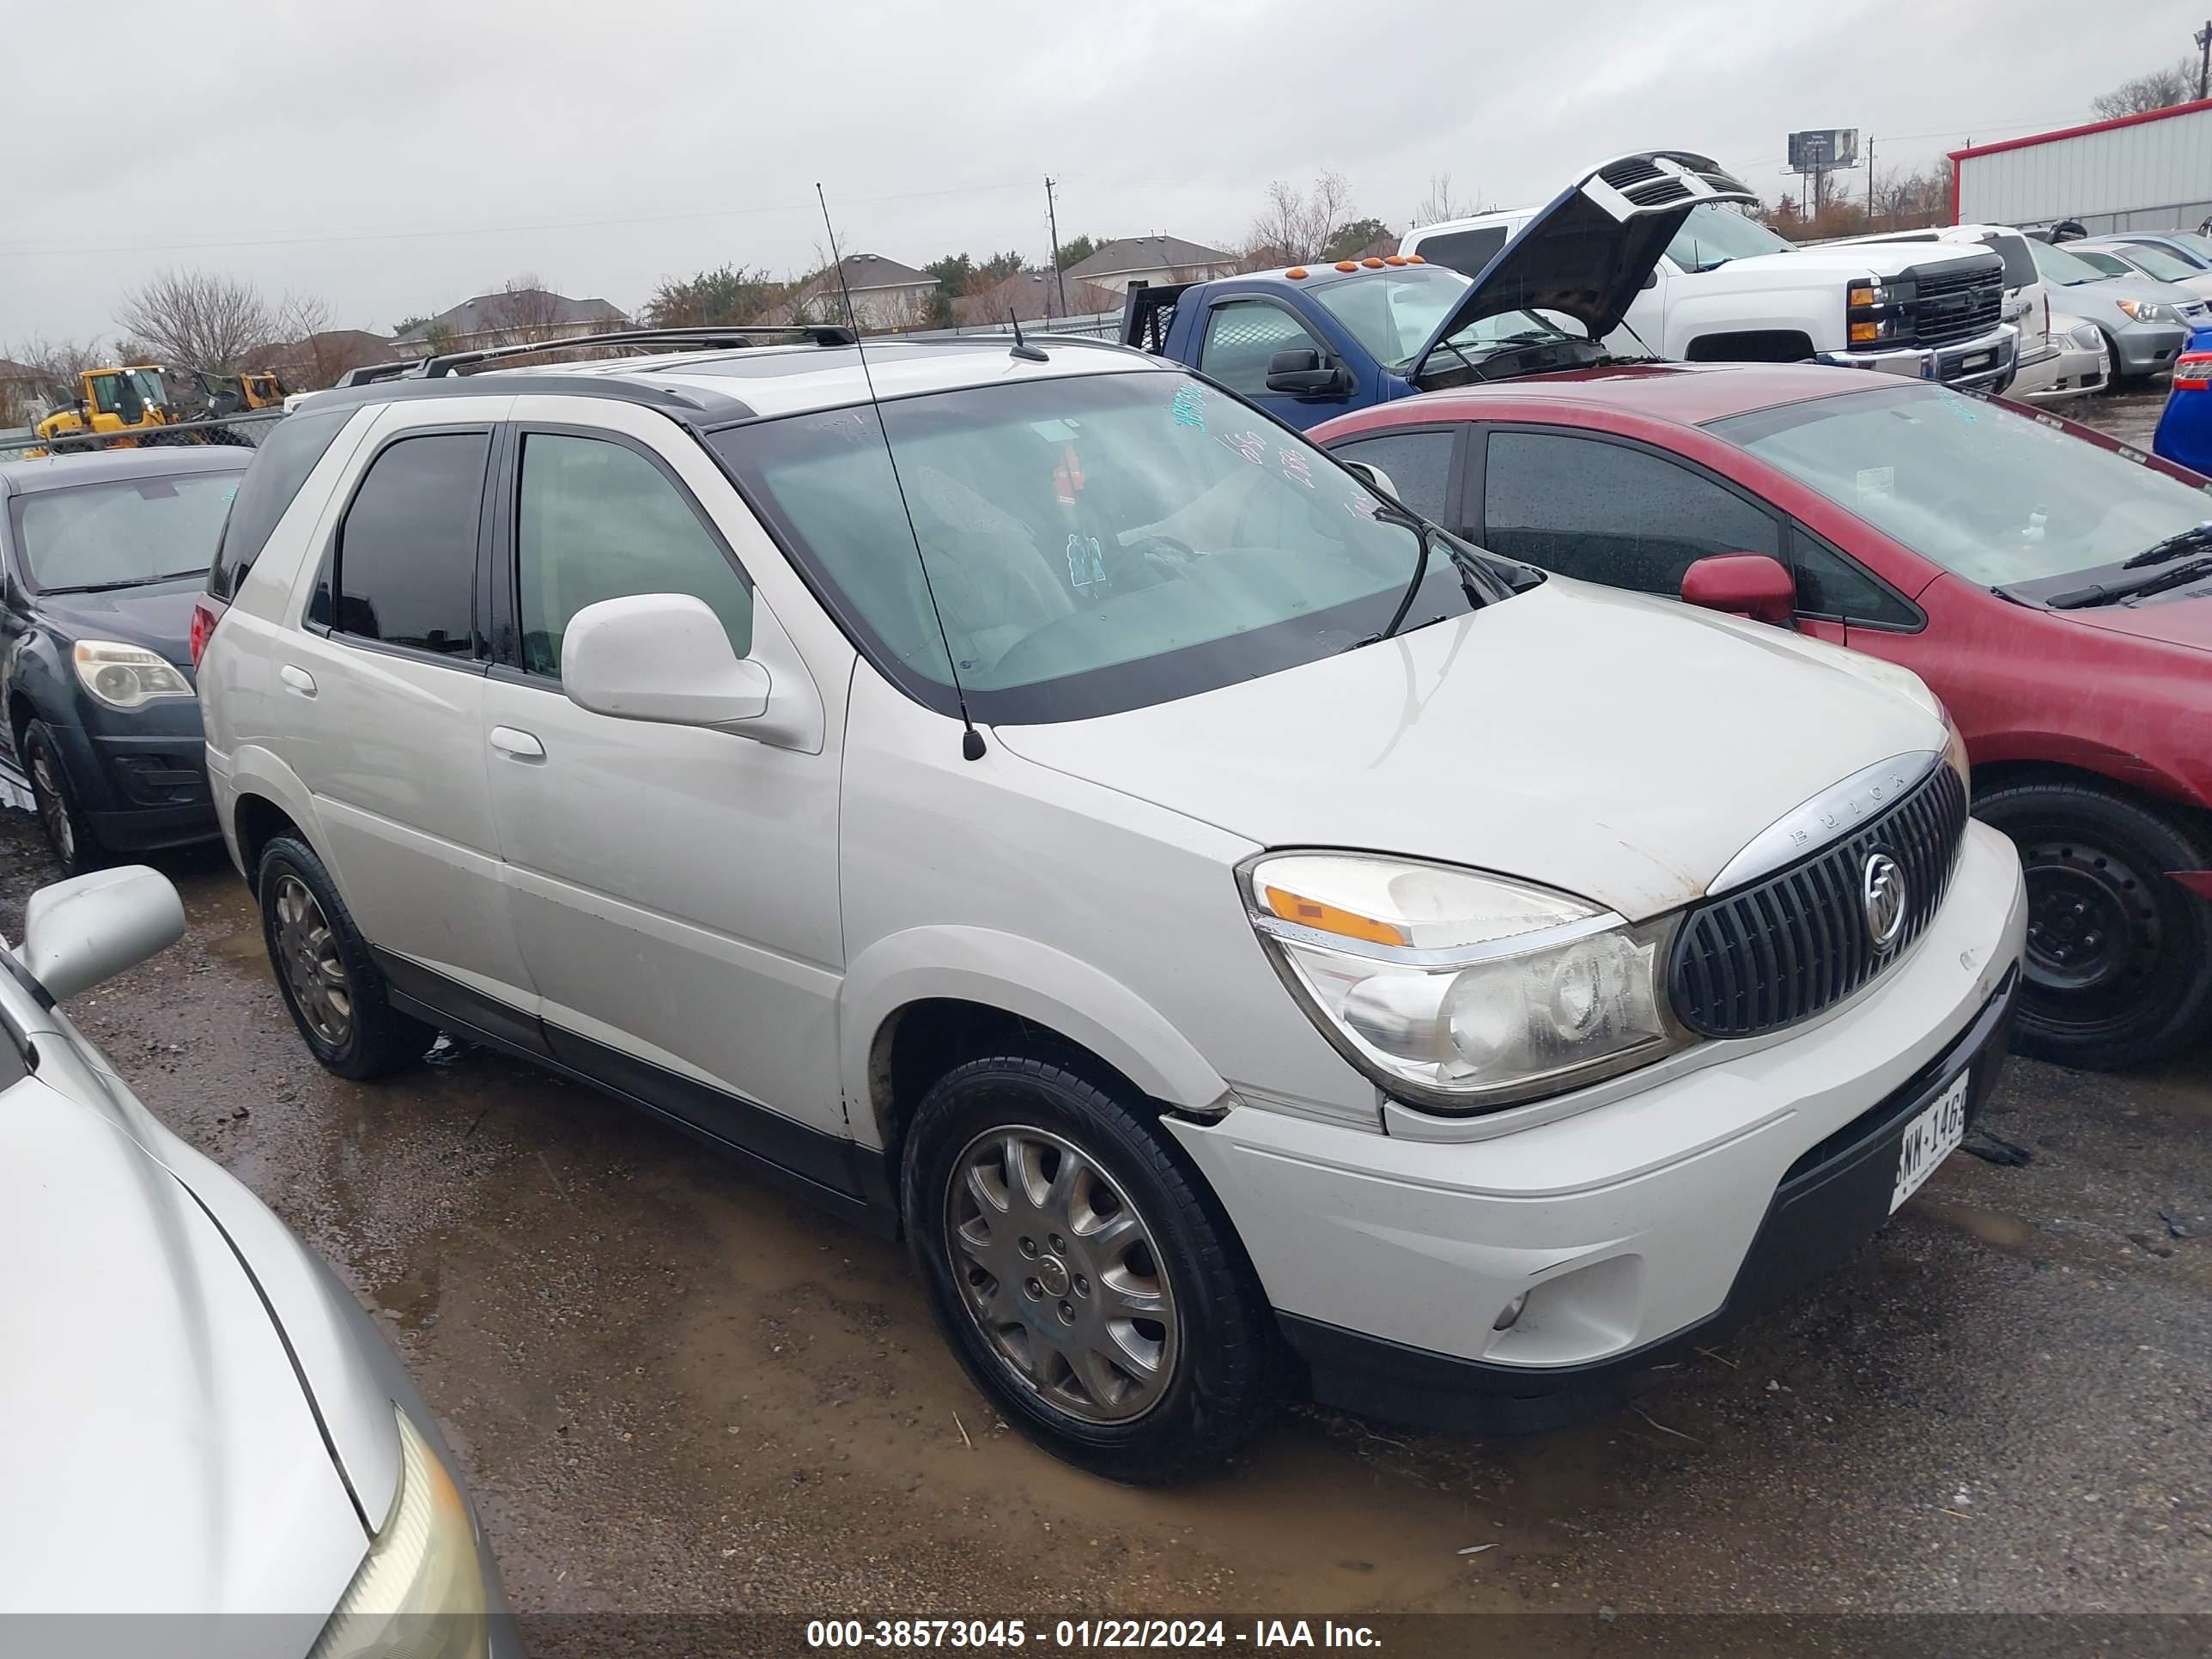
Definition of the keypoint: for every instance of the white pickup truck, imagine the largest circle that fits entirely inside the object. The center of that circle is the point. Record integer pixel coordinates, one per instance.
(1729, 290)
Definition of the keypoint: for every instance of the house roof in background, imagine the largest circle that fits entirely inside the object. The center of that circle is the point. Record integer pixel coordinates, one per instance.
(489, 313)
(867, 271)
(1147, 253)
(1031, 295)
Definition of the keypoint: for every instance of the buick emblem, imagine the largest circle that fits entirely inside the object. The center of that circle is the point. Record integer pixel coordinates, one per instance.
(1881, 892)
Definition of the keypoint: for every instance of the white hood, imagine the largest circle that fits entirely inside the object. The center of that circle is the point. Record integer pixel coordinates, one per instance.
(161, 1453)
(1617, 747)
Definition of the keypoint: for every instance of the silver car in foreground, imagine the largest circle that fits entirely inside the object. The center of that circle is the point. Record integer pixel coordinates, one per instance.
(210, 1451)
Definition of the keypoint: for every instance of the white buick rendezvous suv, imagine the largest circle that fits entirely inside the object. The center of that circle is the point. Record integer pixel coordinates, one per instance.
(1244, 938)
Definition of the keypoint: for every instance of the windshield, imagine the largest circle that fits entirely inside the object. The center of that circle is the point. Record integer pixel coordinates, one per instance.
(2058, 266)
(120, 533)
(1393, 311)
(1714, 233)
(1093, 543)
(2155, 262)
(2192, 242)
(1996, 497)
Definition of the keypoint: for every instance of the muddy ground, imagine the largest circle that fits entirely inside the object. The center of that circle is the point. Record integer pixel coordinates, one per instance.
(677, 1390)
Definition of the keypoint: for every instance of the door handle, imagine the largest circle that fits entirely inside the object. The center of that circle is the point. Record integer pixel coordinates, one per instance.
(298, 678)
(520, 745)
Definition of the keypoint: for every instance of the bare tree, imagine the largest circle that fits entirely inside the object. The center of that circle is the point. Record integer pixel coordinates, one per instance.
(56, 364)
(197, 319)
(2174, 84)
(1440, 205)
(1298, 225)
(526, 311)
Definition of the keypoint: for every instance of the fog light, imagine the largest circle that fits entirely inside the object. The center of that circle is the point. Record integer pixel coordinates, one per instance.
(1512, 1312)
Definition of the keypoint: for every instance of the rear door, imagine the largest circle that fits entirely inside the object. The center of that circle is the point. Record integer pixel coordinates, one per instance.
(384, 679)
(673, 889)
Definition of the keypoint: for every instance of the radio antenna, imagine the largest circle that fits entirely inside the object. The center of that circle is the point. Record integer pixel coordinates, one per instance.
(971, 741)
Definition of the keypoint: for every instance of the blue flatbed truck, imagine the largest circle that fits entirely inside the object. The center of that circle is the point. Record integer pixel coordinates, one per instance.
(1309, 342)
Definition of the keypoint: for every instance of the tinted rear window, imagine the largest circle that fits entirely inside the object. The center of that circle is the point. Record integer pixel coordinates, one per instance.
(1464, 250)
(2019, 263)
(280, 466)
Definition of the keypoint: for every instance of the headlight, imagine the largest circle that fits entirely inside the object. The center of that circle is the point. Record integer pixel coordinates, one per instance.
(1457, 991)
(421, 1593)
(2148, 311)
(127, 676)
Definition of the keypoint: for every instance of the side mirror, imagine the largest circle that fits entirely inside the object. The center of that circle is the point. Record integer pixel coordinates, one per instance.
(1299, 371)
(80, 932)
(1744, 584)
(1373, 474)
(660, 657)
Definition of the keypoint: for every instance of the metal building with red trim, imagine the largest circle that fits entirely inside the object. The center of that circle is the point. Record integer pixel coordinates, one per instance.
(2146, 171)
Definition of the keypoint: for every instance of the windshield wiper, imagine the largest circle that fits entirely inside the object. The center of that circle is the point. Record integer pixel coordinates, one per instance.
(129, 582)
(2111, 592)
(2188, 541)
(1463, 563)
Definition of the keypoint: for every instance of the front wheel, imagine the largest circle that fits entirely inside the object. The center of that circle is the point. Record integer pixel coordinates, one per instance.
(1090, 1288)
(68, 832)
(2119, 958)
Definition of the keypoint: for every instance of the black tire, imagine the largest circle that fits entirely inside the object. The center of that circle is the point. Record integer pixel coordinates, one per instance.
(2119, 958)
(75, 847)
(1223, 1367)
(374, 1037)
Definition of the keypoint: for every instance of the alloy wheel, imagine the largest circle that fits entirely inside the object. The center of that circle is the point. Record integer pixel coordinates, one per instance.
(1060, 1275)
(53, 806)
(308, 955)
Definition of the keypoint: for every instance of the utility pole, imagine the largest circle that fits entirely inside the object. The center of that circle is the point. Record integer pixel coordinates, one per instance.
(1869, 181)
(2204, 59)
(1052, 219)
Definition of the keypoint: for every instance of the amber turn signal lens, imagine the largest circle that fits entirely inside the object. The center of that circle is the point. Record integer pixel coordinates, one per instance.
(1333, 919)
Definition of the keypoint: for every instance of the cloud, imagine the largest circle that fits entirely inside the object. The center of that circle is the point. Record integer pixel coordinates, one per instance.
(395, 157)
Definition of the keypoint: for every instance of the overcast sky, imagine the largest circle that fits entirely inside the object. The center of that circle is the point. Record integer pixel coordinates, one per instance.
(394, 157)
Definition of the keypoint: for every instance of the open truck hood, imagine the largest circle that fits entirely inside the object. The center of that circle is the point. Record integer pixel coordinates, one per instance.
(1589, 252)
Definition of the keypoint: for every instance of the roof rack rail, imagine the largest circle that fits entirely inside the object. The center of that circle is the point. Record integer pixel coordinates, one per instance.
(734, 336)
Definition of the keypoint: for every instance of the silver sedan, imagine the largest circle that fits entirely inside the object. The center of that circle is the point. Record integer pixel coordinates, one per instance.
(203, 1424)
(2146, 323)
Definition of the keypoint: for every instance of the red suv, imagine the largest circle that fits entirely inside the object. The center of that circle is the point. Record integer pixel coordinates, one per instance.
(2053, 584)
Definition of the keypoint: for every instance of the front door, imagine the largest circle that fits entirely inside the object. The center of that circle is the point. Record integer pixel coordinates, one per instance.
(392, 659)
(673, 888)
(1243, 336)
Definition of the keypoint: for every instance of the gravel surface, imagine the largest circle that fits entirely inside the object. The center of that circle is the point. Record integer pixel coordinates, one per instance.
(679, 1392)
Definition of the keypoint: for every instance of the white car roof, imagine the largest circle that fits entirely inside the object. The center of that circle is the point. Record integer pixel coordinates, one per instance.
(788, 379)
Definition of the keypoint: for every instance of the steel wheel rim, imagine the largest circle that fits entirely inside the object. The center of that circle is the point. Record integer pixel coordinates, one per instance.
(308, 955)
(1060, 1275)
(53, 811)
(2093, 934)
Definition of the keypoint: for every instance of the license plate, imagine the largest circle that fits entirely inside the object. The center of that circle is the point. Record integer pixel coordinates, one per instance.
(1930, 1138)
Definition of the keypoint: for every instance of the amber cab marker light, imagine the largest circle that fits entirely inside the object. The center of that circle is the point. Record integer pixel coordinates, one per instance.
(1296, 273)
(1346, 265)
(1332, 918)
(1372, 262)
(1393, 259)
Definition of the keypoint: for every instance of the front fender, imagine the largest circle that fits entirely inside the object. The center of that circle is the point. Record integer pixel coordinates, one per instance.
(1024, 978)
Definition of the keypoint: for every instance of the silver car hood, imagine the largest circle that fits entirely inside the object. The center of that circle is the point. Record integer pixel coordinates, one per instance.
(1614, 746)
(161, 1454)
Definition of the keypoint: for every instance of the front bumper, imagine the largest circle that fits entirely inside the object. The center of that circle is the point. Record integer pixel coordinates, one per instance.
(1986, 361)
(2068, 372)
(2147, 348)
(141, 789)
(1629, 1226)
